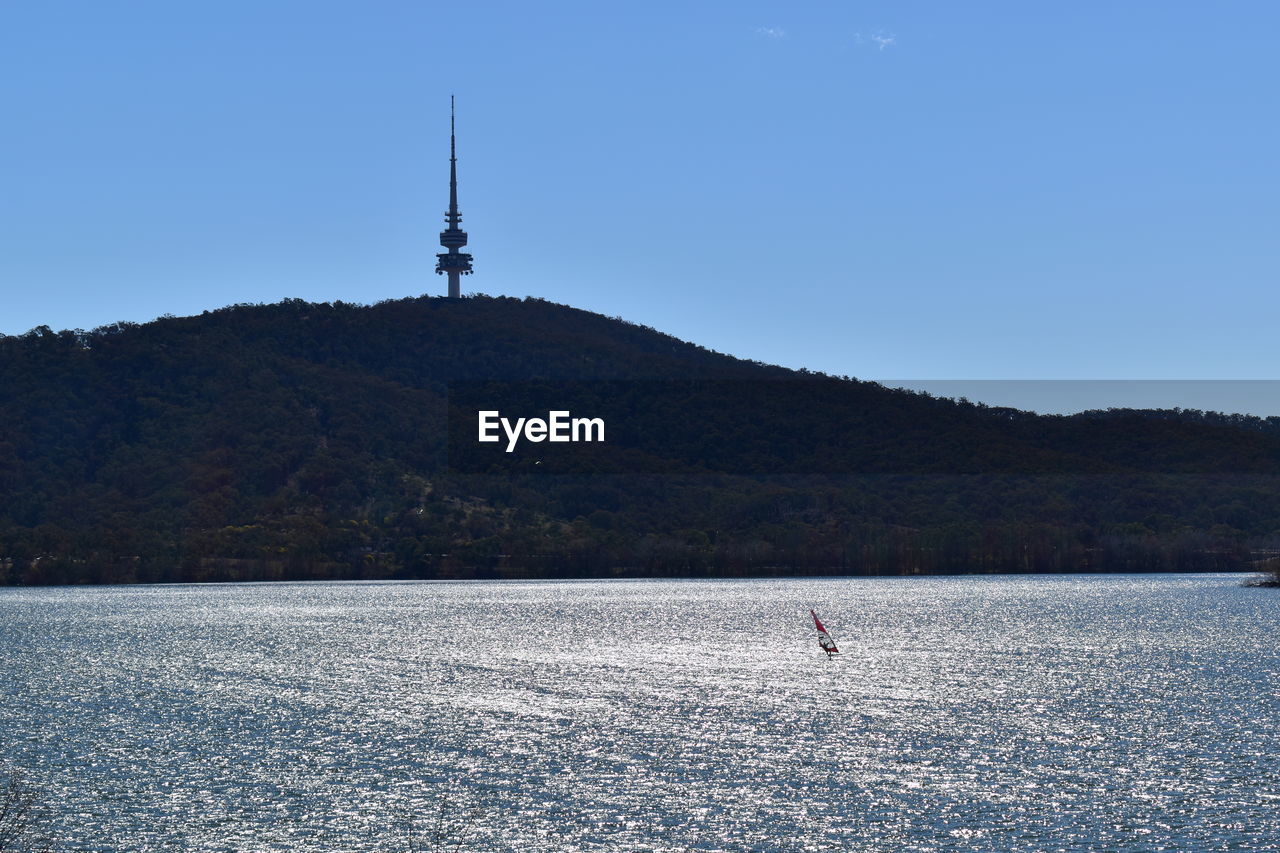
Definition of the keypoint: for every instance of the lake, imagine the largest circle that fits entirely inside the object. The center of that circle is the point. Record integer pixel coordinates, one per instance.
(1022, 713)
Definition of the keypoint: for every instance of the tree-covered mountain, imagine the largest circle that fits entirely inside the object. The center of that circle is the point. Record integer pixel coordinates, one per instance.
(304, 440)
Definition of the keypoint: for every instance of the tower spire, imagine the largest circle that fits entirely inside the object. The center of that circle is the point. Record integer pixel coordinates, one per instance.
(454, 218)
(453, 238)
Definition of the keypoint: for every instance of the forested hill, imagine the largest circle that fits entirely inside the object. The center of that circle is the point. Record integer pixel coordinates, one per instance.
(304, 440)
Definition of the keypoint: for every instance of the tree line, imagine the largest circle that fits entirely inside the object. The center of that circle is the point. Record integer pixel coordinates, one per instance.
(303, 440)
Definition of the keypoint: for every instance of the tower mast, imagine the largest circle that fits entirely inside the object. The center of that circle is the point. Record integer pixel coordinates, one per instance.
(453, 238)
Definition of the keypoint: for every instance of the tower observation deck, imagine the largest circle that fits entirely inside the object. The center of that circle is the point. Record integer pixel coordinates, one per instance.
(453, 238)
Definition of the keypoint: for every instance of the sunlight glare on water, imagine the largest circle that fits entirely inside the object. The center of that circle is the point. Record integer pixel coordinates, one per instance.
(1027, 713)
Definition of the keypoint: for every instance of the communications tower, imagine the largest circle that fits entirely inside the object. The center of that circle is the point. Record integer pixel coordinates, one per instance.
(453, 238)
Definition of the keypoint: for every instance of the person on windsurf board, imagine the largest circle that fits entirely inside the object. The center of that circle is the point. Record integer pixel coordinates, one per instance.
(824, 639)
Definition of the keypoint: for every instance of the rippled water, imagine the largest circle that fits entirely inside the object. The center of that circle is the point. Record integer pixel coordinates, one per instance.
(1131, 713)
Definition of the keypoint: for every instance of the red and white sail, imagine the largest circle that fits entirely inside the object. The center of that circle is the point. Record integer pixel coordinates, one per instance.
(824, 639)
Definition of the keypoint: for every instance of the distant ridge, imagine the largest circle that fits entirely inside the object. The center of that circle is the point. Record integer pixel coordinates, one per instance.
(301, 440)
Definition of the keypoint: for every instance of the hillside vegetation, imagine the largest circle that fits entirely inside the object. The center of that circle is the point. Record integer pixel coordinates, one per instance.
(303, 440)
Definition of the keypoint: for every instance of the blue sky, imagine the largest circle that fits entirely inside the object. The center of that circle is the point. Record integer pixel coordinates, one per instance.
(996, 190)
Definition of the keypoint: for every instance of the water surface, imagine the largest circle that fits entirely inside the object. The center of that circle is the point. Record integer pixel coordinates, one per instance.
(1027, 713)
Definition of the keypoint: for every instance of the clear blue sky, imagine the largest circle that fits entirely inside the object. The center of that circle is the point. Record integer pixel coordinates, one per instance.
(1011, 190)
